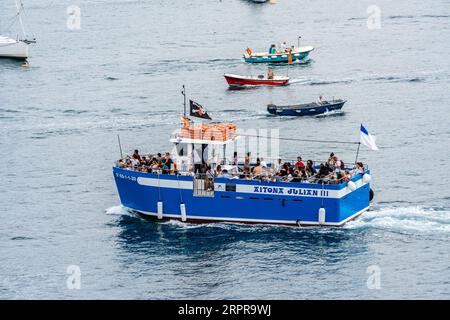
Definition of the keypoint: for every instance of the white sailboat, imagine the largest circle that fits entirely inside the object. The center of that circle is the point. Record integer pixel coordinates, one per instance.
(16, 47)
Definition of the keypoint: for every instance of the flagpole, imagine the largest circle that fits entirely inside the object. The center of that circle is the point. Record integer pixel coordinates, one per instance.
(357, 152)
(120, 147)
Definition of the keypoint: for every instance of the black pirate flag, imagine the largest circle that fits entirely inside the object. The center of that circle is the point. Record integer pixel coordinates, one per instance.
(197, 111)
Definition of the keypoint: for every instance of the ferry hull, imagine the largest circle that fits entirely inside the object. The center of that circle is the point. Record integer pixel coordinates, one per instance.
(293, 204)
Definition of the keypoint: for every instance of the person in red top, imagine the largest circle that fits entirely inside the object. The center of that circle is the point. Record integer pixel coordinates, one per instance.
(299, 164)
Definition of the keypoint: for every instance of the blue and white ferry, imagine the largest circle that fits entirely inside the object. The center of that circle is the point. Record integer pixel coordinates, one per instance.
(185, 195)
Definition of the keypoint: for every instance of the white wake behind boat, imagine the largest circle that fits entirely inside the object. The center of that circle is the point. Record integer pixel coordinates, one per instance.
(16, 48)
(11, 48)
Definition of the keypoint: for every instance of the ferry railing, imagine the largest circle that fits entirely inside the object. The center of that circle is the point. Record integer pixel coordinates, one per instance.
(204, 187)
(204, 184)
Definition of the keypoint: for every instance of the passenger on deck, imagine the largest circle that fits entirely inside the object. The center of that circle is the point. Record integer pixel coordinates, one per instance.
(334, 179)
(273, 49)
(270, 74)
(223, 174)
(256, 171)
(324, 172)
(235, 159)
(285, 169)
(277, 166)
(263, 163)
(167, 161)
(310, 171)
(299, 164)
(154, 165)
(134, 163)
(136, 155)
(304, 177)
(247, 160)
(359, 169)
(296, 176)
(245, 174)
(218, 170)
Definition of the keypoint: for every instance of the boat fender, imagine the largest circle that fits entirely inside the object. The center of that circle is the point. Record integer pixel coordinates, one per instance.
(183, 212)
(321, 215)
(371, 195)
(160, 210)
(351, 185)
(366, 178)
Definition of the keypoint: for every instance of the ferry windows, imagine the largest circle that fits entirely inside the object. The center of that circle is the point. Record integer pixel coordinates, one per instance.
(181, 149)
(230, 187)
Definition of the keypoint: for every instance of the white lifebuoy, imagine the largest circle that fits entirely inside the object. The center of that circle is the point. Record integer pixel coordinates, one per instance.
(321, 219)
(351, 185)
(366, 178)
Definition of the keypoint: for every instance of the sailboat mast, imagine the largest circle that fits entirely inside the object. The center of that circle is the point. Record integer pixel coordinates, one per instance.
(19, 7)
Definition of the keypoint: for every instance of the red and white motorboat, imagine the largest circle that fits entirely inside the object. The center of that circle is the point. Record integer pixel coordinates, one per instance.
(236, 81)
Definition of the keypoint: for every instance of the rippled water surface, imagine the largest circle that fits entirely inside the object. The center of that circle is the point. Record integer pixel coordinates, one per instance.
(121, 73)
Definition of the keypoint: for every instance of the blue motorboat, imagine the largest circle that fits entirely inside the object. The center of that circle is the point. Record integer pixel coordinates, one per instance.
(299, 53)
(183, 191)
(307, 109)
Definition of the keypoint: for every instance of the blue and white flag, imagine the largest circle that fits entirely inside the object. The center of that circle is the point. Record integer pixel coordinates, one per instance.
(367, 139)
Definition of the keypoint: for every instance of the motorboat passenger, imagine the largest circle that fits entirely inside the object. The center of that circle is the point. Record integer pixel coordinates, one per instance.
(270, 74)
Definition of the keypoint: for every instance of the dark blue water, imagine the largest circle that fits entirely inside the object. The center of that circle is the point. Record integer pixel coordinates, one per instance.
(121, 73)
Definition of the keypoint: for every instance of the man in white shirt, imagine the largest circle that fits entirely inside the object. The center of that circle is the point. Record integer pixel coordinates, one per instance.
(277, 165)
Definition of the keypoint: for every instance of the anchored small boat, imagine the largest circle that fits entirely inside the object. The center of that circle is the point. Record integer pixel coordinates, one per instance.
(12, 48)
(236, 81)
(16, 48)
(299, 53)
(307, 109)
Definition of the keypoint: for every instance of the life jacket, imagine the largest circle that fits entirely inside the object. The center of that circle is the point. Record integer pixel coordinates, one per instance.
(249, 51)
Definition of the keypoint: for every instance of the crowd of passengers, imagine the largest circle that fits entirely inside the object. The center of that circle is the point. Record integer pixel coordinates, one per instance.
(332, 171)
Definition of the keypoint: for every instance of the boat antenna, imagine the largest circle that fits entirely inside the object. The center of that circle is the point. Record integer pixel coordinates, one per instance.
(183, 92)
(120, 146)
(298, 42)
